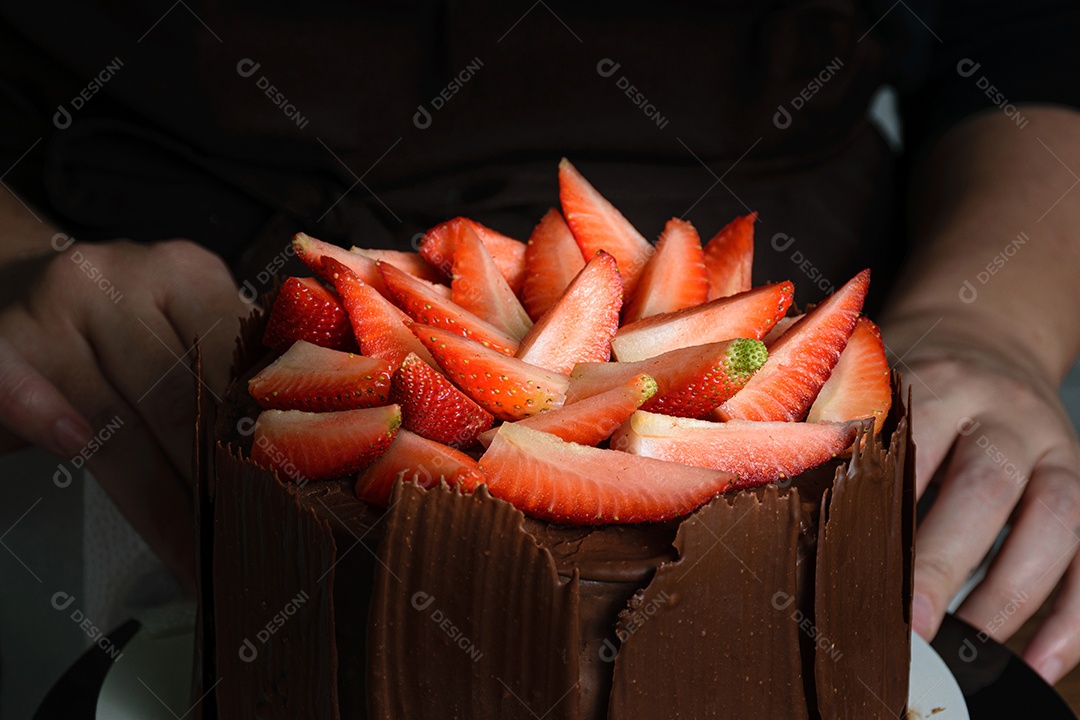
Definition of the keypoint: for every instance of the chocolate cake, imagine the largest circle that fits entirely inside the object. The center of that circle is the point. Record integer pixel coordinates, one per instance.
(785, 601)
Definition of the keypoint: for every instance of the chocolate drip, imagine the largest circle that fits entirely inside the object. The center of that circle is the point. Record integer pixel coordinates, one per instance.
(712, 636)
(469, 617)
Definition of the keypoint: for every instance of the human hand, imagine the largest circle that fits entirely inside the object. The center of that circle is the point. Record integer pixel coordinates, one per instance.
(989, 423)
(95, 351)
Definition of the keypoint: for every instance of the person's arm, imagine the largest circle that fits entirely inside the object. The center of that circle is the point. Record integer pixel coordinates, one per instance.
(985, 323)
(94, 362)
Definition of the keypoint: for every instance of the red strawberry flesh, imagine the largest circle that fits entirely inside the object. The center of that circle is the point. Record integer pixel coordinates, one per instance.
(379, 327)
(479, 287)
(304, 446)
(729, 257)
(432, 407)
(580, 325)
(593, 419)
(562, 482)
(597, 225)
(801, 360)
(425, 306)
(859, 385)
(674, 278)
(552, 260)
(318, 379)
(757, 452)
(305, 310)
(746, 315)
(440, 244)
(692, 381)
(412, 458)
(508, 388)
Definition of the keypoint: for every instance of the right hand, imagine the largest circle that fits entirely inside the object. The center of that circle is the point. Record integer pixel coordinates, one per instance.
(100, 336)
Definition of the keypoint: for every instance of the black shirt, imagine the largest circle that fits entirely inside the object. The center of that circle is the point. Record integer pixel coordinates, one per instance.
(239, 123)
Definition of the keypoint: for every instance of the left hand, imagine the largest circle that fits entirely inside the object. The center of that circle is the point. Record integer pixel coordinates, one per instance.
(994, 432)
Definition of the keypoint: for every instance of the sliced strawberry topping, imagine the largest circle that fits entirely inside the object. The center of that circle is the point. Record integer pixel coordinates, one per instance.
(305, 310)
(729, 257)
(747, 315)
(408, 262)
(506, 387)
(552, 260)
(424, 306)
(757, 452)
(309, 377)
(593, 419)
(580, 325)
(305, 446)
(551, 479)
(597, 225)
(801, 360)
(674, 278)
(481, 289)
(440, 244)
(780, 328)
(412, 458)
(378, 325)
(859, 384)
(691, 381)
(313, 251)
(432, 407)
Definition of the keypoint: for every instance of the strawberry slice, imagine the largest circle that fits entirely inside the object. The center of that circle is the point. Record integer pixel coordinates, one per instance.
(313, 251)
(479, 287)
(729, 257)
(409, 262)
(757, 452)
(801, 360)
(412, 458)
(747, 315)
(598, 225)
(309, 377)
(305, 310)
(692, 381)
(552, 260)
(379, 327)
(580, 325)
(506, 387)
(551, 479)
(592, 420)
(859, 384)
(424, 306)
(432, 407)
(674, 278)
(440, 244)
(305, 446)
(780, 328)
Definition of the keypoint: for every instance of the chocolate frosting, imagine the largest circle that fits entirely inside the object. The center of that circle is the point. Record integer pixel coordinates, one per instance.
(273, 573)
(863, 625)
(470, 618)
(713, 635)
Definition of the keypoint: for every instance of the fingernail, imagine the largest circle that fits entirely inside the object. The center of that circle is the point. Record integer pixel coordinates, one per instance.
(1051, 670)
(922, 614)
(71, 436)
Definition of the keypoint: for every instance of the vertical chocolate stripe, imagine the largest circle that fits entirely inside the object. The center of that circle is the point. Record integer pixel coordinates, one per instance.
(469, 618)
(276, 655)
(204, 672)
(861, 614)
(716, 633)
